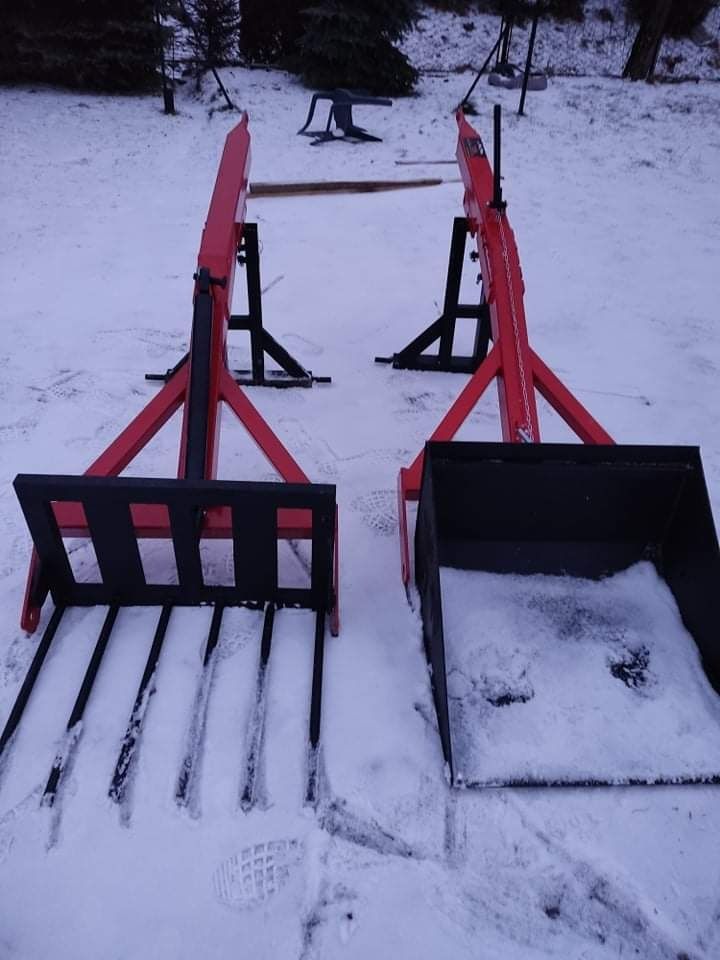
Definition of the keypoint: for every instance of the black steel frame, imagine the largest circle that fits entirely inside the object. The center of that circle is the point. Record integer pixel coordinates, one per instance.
(442, 330)
(578, 509)
(291, 373)
(106, 502)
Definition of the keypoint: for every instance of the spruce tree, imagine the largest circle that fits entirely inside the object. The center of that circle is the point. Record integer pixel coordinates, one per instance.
(350, 43)
(270, 29)
(214, 36)
(98, 45)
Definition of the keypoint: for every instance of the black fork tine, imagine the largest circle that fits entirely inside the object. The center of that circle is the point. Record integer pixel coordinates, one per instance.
(30, 678)
(197, 722)
(257, 722)
(66, 749)
(311, 792)
(146, 689)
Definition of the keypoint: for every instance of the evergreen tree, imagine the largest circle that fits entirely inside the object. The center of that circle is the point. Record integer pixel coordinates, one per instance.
(215, 25)
(89, 44)
(350, 43)
(270, 29)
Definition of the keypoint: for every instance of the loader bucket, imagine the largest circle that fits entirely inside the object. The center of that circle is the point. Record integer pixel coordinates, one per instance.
(565, 511)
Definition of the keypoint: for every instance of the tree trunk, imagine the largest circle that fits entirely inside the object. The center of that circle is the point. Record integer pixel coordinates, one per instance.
(641, 62)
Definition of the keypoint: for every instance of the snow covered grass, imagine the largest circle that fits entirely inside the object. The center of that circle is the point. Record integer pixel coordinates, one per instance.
(613, 196)
(598, 46)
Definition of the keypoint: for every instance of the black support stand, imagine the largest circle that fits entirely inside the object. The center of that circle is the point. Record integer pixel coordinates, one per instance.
(291, 372)
(412, 357)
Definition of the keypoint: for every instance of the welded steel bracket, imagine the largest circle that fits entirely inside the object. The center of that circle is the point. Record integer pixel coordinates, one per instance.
(291, 372)
(442, 330)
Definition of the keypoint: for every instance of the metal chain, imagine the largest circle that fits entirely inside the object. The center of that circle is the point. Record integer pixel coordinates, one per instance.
(525, 432)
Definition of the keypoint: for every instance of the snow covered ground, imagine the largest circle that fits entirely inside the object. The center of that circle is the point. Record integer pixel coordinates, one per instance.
(598, 46)
(613, 193)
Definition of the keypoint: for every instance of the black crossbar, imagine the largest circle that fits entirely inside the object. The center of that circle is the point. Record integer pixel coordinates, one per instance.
(107, 503)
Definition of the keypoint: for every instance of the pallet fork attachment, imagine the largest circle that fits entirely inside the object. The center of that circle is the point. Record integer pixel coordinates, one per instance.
(525, 507)
(116, 512)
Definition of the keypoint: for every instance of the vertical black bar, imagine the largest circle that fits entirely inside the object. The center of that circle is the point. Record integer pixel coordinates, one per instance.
(254, 292)
(255, 552)
(80, 704)
(452, 288)
(247, 794)
(199, 385)
(313, 776)
(116, 546)
(197, 722)
(528, 65)
(498, 202)
(317, 679)
(127, 751)
(214, 633)
(321, 557)
(186, 544)
(30, 677)
(427, 578)
(267, 634)
(506, 33)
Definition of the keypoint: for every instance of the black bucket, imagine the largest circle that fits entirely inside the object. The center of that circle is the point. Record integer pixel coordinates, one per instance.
(565, 509)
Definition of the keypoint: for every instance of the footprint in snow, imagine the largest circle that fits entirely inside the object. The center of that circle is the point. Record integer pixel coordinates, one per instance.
(249, 878)
(378, 510)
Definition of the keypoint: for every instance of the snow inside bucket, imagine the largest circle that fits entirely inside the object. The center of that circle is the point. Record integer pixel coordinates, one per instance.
(563, 679)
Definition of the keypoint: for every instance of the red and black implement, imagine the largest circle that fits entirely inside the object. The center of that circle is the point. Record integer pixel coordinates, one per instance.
(116, 513)
(525, 507)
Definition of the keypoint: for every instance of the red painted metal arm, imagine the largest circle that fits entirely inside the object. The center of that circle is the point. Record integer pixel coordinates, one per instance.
(518, 369)
(261, 433)
(569, 407)
(455, 417)
(504, 288)
(226, 213)
(218, 254)
(142, 428)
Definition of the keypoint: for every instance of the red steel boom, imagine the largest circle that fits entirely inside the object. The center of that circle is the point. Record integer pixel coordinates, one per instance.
(216, 263)
(519, 371)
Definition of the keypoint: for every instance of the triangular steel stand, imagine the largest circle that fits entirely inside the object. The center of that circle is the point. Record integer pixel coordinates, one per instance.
(291, 373)
(442, 330)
